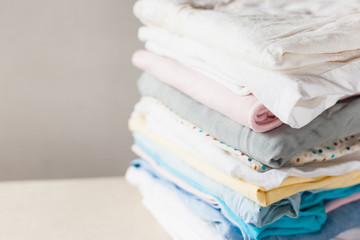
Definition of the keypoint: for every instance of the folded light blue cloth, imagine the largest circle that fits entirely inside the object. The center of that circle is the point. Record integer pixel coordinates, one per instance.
(243, 212)
(251, 212)
(338, 221)
(203, 210)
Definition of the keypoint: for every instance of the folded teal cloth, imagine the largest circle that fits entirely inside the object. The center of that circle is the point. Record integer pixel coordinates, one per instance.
(256, 221)
(338, 221)
(272, 148)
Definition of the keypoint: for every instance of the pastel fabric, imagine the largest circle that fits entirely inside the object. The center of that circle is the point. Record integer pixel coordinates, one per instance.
(246, 110)
(160, 118)
(234, 206)
(336, 203)
(163, 203)
(327, 151)
(223, 196)
(176, 47)
(197, 140)
(158, 41)
(273, 148)
(256, 193)
(179, 48)
(208, 212)
(309, 66)
(175, 205)
(225, 227)
(166, 206)
(173, 178)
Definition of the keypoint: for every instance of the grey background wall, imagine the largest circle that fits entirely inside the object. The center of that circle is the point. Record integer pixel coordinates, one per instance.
(67, 87)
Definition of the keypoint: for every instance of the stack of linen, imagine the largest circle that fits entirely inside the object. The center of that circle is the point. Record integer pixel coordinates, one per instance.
(249, 124)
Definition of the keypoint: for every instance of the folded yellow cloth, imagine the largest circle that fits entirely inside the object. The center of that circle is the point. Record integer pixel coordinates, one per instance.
(258, 194)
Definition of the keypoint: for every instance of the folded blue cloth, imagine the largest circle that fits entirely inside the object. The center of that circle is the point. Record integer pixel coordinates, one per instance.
(236, 204)
(242, 211)
(202, 209)
(338, 221)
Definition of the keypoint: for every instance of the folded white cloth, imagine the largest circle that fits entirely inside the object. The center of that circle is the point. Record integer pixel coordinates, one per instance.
(281, 34)
(297, 58)
(190, 53)
(160, 120)
(169, 211)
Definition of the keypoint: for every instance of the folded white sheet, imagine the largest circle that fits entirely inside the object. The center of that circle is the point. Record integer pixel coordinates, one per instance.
(297, 58)
(281, 34)
(182, 49)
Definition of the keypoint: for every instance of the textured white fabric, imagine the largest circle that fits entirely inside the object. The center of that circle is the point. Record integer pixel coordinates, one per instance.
(297, 58)
(159, 120)
(171, 213)
(188, 52)
(281, 34)
(352, 234)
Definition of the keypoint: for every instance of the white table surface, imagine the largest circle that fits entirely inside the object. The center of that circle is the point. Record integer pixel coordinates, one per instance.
(101, 209)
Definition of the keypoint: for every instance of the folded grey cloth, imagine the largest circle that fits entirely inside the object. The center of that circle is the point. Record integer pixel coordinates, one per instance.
(273, 148)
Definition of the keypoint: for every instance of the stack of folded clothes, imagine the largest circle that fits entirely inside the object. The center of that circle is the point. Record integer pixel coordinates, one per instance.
(249, 121)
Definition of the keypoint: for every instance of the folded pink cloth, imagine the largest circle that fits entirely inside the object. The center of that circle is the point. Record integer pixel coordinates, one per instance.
(246, 110)
(334, 204)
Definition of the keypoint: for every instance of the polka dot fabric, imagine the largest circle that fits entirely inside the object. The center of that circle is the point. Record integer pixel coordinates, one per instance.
(327, 151)
(255, 165)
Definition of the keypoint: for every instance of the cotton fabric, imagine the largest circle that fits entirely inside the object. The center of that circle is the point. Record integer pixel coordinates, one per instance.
(223, 226)
(168, 210)
(211, 214)
(261, 32)
(246, 110)
(256, 193)
(309, 66)
(308, 199)
(173, 178)
(336, 203)
(232, 204)
(273, 148)
(161, 43)
(339, 220)
(231, 161)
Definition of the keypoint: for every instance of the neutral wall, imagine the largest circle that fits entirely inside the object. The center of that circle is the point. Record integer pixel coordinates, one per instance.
(67, 87)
